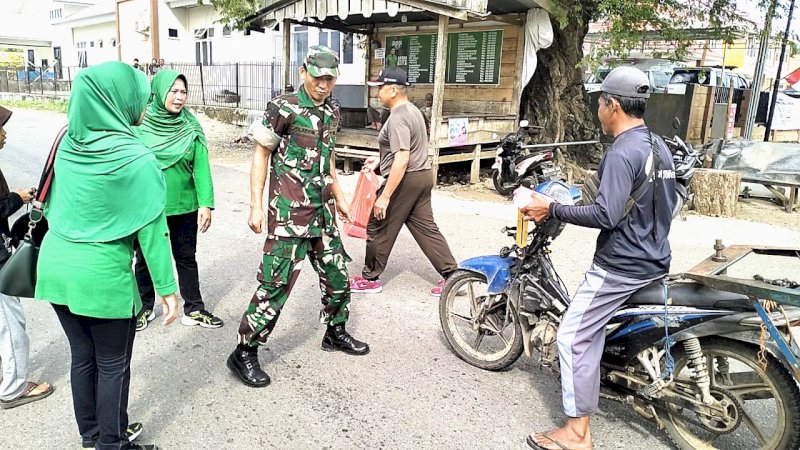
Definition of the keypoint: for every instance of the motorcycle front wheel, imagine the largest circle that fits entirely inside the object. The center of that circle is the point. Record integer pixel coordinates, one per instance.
(482, 328)
(502, 188)
(763, 404)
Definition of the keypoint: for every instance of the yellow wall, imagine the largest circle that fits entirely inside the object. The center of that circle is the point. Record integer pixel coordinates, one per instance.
(735, 53)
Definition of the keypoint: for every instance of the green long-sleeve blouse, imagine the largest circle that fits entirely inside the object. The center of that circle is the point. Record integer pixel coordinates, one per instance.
(95, 279)
(189, 185)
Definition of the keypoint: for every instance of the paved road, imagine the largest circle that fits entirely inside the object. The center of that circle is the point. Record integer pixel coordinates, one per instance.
(409, 392)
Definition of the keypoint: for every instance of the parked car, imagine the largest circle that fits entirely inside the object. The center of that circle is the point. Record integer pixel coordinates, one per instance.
(707, 76)
(658, 71)
(792, 92)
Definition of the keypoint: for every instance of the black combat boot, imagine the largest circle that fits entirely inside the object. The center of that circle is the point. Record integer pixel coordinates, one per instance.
(244, 363)
(337, 338)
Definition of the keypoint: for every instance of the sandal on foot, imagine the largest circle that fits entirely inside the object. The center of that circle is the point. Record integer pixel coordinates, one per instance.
(26, 396)
(532, 442)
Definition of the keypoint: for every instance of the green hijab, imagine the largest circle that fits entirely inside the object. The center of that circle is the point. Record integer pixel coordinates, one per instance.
(169, 135)
(107, 184)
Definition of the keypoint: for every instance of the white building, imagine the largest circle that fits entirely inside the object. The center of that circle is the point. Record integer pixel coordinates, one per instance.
(83, 33)
(24, 28)
(187, 35)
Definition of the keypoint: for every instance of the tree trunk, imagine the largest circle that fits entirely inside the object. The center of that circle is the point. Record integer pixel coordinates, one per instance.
(555, 100)
(716, 192)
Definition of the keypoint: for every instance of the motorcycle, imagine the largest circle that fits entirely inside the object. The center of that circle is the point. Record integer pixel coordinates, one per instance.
(692, 365)
(514, 166)
(686, 159)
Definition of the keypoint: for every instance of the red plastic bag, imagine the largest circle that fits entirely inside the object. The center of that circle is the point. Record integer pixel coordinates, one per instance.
(361, 205)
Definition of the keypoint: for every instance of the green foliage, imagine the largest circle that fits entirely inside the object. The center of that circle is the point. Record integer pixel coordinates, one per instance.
(10, 59)
(650, 24)
(234, 12)
(646, 24)
(59, 106)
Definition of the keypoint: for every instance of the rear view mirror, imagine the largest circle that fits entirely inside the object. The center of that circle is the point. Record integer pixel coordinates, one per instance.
(676, 123)
(523, 123)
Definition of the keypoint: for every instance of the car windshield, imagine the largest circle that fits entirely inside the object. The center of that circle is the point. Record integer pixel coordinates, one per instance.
(661, 77)
(597, 78)
(690, 77)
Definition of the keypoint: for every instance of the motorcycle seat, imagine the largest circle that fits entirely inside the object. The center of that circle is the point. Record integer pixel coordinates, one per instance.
(691, 294)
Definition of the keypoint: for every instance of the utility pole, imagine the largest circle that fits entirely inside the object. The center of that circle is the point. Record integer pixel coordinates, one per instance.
(758, 76)
(778, 77)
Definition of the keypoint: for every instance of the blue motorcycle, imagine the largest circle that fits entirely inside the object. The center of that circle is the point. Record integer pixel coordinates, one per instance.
(711, 367)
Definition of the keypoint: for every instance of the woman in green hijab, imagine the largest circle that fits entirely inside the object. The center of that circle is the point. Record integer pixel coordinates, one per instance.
(178, 141)
(108, 191)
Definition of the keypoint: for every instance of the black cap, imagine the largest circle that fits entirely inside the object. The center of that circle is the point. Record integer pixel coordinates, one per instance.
(391, 75)
(5, 114)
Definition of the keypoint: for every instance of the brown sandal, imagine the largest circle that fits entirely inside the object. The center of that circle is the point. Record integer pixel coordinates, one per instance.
(26, 396)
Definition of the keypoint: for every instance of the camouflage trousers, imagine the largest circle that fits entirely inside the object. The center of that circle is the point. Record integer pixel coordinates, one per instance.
(283, 258)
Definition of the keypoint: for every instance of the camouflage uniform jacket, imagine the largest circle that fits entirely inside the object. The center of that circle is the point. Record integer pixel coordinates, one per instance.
(301, 202)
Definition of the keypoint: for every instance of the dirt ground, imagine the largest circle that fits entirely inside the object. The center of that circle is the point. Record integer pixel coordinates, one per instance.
(221, 138)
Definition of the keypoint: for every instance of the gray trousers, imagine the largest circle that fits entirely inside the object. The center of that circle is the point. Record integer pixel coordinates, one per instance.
(14, 348)
(582, 336)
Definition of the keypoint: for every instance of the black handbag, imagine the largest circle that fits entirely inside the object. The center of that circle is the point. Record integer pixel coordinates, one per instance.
(18, 274)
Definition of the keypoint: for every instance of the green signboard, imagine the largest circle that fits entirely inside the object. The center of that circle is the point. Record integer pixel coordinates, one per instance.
(473, 57)
(415, 53)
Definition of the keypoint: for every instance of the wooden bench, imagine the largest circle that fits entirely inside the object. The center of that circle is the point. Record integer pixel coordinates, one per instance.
(347, 155)
(789, 202)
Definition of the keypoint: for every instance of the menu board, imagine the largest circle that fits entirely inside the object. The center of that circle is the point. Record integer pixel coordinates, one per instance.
(415, 53)
(473, 57)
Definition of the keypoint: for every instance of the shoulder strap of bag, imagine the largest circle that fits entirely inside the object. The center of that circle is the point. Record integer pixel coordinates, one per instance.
(45, 182)
(46, 179)
(592, 185)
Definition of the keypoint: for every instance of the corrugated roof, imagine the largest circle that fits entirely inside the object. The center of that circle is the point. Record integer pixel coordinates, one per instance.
(18, 29)
(95, 11)
(363, 12)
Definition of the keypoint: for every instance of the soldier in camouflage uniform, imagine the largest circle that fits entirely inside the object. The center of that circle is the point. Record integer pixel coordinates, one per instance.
(297, 135)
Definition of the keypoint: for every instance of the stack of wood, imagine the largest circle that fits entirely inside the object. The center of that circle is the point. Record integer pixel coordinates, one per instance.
(716, 192)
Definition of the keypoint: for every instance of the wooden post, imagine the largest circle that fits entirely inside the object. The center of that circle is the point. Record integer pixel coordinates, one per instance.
(716, 192)
(475, 173)
(287, 54)
(155, 39)
(116, 30)
(438, 92)
(708, 113)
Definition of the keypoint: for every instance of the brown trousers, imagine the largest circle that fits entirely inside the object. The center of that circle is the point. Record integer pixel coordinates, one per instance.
(410, 205)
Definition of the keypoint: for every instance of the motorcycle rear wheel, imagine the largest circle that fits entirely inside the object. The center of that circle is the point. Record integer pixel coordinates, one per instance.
(493, 342)
(769, 400)
(504, 189)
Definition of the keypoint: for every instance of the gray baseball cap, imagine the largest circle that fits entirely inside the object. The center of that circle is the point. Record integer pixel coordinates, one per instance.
(627, 82)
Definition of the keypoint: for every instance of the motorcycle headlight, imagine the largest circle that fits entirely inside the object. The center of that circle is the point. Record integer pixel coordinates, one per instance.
(560, 191)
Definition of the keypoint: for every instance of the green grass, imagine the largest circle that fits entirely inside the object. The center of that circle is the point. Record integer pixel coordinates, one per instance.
(39, 105)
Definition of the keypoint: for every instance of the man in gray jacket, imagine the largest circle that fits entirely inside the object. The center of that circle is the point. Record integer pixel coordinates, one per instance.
(633, 210)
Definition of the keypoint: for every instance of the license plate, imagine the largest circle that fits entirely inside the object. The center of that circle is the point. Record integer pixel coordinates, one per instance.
(547, 171)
